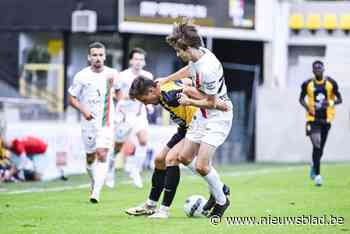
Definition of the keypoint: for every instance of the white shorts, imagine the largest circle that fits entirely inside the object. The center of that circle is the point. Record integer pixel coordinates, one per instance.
(97, 138)
(122, 131)
(140, 123)
(212, 131)
(131, 126)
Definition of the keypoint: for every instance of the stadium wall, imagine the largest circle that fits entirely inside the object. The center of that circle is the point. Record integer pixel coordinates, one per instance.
(65, 147)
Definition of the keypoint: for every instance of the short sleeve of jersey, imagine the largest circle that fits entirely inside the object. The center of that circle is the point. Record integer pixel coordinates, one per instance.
(117, 83)
(148, 75)
(304, 88)
(76, 87)
(334, 84)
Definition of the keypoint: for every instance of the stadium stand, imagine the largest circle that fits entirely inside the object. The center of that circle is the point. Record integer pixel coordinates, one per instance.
(330, 21)
(296, 21)
(345, 22)
(313, 21)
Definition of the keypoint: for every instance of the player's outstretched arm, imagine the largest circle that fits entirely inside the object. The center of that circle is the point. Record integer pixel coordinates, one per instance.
(180, 74)
(208, 102)
(193, 93)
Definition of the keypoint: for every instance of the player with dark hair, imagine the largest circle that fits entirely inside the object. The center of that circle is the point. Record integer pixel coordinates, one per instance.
(166, 175)
(91, 93)
(322, 94)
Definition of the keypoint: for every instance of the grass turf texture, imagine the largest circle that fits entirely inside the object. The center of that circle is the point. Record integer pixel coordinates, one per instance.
(256, 190)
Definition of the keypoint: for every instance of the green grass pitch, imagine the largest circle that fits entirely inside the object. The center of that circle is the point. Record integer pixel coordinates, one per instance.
(257, 190)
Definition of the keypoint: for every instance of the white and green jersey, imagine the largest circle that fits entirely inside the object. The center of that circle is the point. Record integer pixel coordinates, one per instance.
(132, 108)
(95, 93)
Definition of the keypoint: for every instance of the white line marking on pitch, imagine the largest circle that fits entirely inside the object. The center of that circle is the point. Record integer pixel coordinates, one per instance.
(83, 186)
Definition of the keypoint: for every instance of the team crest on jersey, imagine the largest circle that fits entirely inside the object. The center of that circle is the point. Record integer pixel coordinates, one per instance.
(320, 97)
(210, 85)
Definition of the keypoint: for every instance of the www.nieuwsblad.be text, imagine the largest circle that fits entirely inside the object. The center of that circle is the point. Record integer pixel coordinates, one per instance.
(278, 220)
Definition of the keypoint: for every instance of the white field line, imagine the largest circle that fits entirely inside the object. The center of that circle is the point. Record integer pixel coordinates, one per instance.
(83, 186)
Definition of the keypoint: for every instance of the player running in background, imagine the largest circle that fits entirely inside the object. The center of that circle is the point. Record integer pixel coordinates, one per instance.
(91, 93)
(131, 117)
(166, 175)
(211, 127)
(322, 95)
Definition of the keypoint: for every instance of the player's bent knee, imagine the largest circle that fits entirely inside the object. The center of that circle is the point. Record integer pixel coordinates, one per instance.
(203, 170)
(172, 161)
(90, 158)
(159, 163)
(184, 160)
(143, 142)
(118, 147)
(101, 155)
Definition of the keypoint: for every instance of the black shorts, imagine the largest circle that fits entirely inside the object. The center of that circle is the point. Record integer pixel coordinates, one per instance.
(177, 137)
(312, 126)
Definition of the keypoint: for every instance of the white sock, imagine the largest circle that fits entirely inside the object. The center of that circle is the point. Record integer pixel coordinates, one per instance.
(215, 186)
(140, 155)
(135, 174)
(164, 208)
(90, 168)
(192, 166)
(111, 162)
(100, 175)
(151, 202)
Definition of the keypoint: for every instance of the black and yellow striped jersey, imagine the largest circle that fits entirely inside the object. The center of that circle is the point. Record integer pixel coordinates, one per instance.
(181, 115)
(319, 92)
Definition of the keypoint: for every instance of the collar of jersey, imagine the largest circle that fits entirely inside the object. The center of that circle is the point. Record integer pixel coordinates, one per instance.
(320, 82)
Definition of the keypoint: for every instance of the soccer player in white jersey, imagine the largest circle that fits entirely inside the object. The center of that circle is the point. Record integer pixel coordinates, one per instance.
(211, 127)
(91, 93)
(131, 117)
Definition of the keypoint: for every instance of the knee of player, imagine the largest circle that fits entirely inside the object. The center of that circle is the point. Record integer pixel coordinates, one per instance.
(143, 142)
(90, 159)
(184, 160)
(159, 162)
(101, 155)
(118, 147)
(171, 161)
(202, 169)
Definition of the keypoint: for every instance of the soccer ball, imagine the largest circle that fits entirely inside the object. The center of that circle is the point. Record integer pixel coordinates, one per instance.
(194, 206)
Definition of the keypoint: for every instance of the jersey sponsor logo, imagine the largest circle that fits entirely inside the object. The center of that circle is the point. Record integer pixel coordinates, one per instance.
(320, 98)
(210, 85)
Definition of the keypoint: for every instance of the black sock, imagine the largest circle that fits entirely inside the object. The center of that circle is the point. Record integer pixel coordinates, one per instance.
(158, 181)
(172, 180)
(316, 158)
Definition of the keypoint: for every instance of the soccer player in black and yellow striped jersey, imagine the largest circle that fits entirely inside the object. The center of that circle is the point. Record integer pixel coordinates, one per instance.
(322, 94)
(166, 175)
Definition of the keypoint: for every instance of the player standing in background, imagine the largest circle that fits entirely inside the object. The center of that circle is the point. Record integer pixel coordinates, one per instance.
(211, 127)
(131, 116)
(91, 93)
(322, 95)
